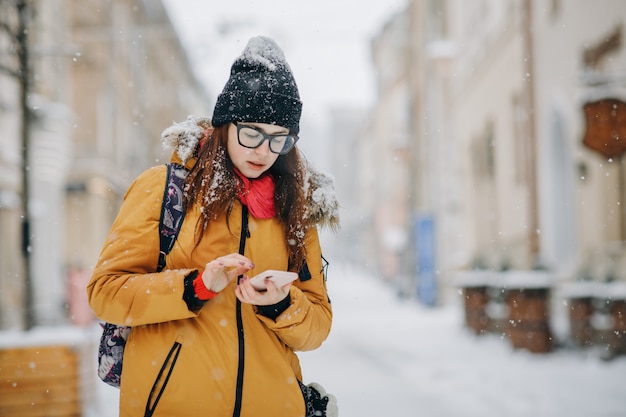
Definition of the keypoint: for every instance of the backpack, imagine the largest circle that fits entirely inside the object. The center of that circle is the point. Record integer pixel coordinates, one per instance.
(113, 339)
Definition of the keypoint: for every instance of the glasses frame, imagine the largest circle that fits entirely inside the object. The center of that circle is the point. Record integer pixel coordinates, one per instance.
(266, 137)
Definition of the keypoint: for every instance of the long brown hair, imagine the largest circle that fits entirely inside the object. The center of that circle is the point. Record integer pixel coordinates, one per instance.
(212, 184)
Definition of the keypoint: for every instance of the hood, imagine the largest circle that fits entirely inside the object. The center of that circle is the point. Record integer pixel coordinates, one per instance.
(184, 137)
(319, 187)
(323, 207)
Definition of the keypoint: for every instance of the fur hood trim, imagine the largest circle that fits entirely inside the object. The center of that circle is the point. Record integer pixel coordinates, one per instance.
(184, 137)
(319, 190)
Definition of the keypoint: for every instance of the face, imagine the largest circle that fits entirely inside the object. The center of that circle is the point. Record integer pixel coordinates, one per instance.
(252, 163)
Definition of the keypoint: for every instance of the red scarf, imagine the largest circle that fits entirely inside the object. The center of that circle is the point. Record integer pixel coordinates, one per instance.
(258, 195)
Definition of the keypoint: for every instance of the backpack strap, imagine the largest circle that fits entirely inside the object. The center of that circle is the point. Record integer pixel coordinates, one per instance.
(172, 210)
(113, 339)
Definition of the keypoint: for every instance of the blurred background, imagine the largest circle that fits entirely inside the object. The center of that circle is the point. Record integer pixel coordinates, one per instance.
(476, 145)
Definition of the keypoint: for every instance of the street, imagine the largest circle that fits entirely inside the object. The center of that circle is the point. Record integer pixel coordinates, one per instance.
(392, 357)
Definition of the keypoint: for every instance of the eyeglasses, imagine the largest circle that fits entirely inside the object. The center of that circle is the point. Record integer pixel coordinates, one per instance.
(252, 137)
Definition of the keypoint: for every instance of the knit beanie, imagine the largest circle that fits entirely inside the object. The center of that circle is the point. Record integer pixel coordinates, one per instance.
(261, 89)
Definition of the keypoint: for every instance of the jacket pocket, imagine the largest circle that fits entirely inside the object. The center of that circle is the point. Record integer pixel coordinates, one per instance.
(162, 379)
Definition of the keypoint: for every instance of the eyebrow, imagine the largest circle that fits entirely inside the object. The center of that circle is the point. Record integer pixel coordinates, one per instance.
(280, 132)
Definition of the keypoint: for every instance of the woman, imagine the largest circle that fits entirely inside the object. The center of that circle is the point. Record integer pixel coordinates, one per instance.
(204, 341)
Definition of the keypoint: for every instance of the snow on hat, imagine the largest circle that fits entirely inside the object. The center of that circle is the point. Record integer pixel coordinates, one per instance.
(261, 89)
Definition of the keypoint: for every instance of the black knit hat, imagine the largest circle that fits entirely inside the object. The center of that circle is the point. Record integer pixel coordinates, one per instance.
(261, 89)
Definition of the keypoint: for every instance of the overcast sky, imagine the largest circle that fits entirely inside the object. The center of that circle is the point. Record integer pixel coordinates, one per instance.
(326, 42)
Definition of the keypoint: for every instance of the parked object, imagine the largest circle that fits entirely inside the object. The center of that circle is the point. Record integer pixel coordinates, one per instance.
(579, 300)
(474, 286)
(476, 300)
(609, 318)
(511, 303)
(529, 326)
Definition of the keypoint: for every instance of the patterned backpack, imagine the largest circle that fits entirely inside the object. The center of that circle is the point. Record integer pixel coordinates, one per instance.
(113, 339)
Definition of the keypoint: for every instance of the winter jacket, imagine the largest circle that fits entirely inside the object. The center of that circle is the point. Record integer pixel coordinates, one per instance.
(193, 355)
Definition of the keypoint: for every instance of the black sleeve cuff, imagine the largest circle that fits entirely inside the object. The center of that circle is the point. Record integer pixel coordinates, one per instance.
(275, 310)
(189, 295)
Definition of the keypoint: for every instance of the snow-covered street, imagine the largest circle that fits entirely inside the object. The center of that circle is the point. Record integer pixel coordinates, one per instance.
(388, 357)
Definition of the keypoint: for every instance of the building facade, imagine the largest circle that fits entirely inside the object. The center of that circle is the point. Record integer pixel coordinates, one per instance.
(106, 80)
(515, 136)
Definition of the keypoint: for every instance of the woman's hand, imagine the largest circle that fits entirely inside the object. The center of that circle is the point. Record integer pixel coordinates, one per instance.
(248, 294)
(221, 271)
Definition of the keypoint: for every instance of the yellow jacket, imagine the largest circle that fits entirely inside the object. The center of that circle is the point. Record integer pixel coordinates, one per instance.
(201, 349)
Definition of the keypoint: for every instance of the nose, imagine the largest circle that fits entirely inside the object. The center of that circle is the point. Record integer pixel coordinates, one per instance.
(264, 149)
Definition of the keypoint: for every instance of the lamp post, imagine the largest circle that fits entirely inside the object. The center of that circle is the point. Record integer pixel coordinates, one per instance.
(23, 11)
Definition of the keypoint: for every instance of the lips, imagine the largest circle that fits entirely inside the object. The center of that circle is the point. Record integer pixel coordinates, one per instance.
(257, 166)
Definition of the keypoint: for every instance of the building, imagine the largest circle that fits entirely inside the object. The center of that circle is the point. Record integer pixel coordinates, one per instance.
(106, 80)
(511, 168)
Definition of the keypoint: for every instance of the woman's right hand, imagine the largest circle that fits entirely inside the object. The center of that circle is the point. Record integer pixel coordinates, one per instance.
(220, 272)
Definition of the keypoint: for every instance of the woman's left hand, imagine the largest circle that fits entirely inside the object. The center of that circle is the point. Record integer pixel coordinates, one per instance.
(246, 293)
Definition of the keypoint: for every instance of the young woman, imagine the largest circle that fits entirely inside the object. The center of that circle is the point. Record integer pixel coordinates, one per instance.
(204, 341)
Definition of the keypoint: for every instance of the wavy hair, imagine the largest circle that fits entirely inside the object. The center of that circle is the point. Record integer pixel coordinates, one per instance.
(213, 185)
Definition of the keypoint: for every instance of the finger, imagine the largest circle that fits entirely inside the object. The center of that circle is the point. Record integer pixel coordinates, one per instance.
(234, 259)
(247, 291)
(244, 285)
(215, 265)
(271, 287)
(239, 295)
(220, 271)
(274, 289)
(252, 292)
(272, 295)
(242, 296)
(236, 272)
(237, 265)
(229, 261)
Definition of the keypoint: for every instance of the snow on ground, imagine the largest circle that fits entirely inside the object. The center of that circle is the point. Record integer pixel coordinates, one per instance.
(395, 358)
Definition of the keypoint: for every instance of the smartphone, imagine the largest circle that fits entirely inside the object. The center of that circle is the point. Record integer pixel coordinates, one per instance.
(279, 278)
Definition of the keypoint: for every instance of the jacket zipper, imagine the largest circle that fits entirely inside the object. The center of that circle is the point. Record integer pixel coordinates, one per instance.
(245, 233)
(172, 355)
